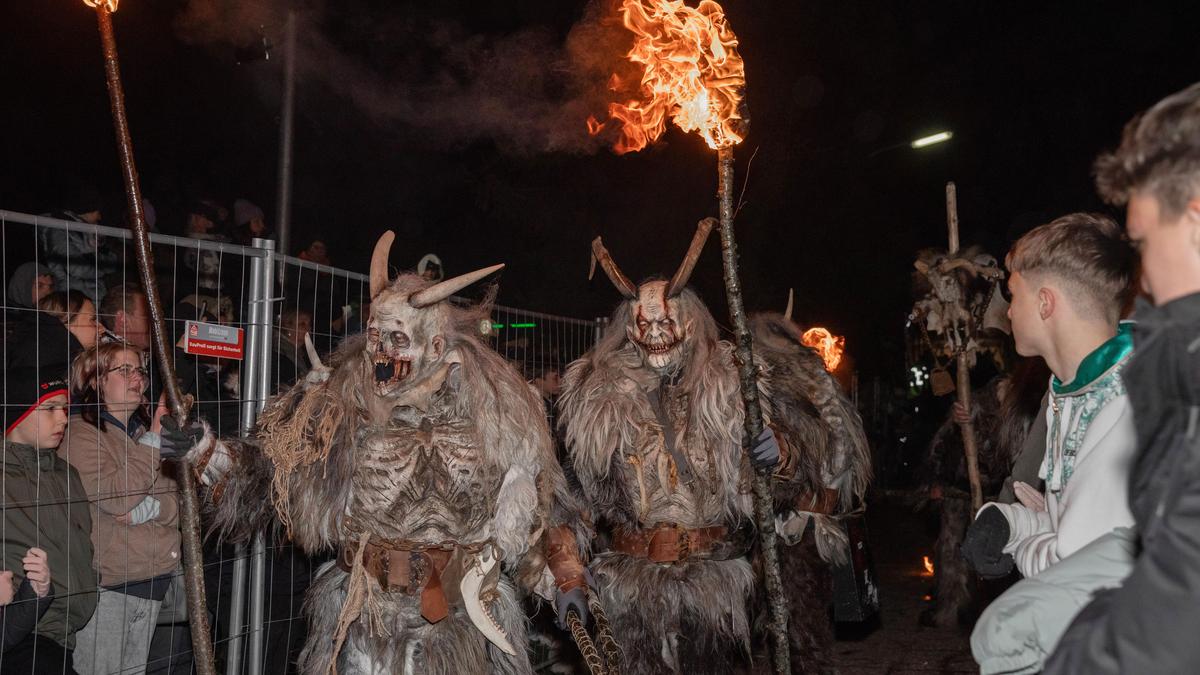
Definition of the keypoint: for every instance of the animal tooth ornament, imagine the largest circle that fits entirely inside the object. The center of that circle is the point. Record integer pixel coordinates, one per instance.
(653, 424)
(425, 461)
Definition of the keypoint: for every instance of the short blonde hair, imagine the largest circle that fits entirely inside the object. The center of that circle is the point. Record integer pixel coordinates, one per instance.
(1086, 251)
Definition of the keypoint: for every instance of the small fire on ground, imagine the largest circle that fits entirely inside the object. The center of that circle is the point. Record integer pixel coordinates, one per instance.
(928, 566)
(829, 346)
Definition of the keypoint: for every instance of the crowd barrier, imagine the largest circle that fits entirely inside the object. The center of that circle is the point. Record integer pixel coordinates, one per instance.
(218, 295)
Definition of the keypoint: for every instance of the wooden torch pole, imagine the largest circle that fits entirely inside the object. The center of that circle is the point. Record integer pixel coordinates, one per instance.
(963, 385)
(189, 513)
(764, 512)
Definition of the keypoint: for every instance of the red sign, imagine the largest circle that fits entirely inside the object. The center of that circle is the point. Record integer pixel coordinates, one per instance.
(210, 339)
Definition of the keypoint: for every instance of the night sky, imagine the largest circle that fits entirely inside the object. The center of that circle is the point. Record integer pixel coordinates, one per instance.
(1032, 92)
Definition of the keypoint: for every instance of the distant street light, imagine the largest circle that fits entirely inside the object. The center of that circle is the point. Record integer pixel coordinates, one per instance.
(932, 139)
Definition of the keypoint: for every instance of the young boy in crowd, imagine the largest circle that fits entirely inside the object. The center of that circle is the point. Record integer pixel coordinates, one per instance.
(47, 531)
(1149, 624)
(1069, 281)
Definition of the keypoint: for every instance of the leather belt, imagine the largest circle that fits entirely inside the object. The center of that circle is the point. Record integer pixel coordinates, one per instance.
(669, 542)
(411, 571)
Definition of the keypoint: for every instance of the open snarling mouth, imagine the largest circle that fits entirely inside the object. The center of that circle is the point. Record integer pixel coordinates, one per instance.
(659, 349)
(390, 371)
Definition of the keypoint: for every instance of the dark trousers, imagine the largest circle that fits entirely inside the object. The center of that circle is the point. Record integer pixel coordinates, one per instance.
(37, 655)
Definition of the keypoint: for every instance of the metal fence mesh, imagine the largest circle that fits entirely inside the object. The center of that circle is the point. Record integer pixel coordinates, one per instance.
(254, 592)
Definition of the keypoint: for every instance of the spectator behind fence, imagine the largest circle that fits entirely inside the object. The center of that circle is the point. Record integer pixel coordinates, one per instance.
(64, 325)
(115, 445)
(27, 285)
(125, 314)
(45, 509)
(203, 267)
(1070, 280)
(1148, 625)
(249, 223)
(316, 252)
(80, 259)
(291, 357)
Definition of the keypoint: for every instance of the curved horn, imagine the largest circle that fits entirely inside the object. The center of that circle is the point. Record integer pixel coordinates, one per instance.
(379, 263)
(693, 254)
(444, 289)
(314, 359)
(787, 313)
(618, 279)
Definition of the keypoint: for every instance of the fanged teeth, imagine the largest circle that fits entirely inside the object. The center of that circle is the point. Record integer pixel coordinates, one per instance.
(388, 370)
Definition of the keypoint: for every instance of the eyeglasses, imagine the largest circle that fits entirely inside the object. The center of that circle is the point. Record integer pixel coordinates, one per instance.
(127, 371)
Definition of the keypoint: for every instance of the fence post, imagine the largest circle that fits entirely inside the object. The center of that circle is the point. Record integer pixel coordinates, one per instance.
(262, 391)
(258, 317)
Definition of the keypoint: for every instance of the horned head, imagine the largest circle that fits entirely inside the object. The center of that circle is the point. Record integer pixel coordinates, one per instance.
(410, 322)
(659, 327)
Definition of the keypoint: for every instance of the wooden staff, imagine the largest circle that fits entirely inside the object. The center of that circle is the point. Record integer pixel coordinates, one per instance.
(188, 513)
(970, 449)
(764, 511)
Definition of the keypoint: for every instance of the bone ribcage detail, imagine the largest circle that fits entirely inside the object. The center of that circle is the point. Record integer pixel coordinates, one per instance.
(424, 481)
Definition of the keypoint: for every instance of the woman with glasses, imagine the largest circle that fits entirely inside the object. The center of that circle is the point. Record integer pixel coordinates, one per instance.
(114, 444)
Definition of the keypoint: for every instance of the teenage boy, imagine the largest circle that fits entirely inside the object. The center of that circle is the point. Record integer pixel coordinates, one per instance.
(1069, 280)
(48, 529)
(1149, 624)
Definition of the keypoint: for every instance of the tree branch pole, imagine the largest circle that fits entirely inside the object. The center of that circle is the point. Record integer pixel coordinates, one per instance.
(963, 386)
(189, 515)
(764, 512)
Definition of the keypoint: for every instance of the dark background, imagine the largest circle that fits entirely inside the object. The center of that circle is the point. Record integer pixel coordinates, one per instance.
(1032, 91)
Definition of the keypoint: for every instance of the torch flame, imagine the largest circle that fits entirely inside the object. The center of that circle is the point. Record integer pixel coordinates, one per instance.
(928, 566)
(110, 5)
(692, 74)
(829, 346)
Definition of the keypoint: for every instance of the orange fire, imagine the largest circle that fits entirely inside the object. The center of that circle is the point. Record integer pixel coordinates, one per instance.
(110, 5)
(828, 345)
(692, 74)
(928, 566)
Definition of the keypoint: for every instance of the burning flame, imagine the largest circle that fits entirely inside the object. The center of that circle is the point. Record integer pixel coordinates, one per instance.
(928, 566)
(692, 74)
(828, 345)
(110, 5)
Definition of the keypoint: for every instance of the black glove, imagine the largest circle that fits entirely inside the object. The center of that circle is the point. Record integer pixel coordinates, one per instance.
(984, 544)
(764, 454)
(575, 600)
(177, 442)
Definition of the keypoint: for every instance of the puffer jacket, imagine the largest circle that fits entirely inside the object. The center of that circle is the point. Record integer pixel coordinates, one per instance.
(1148, 625)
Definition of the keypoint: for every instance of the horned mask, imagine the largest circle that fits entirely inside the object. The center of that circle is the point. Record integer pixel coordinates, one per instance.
(659, 325)
(409, 324)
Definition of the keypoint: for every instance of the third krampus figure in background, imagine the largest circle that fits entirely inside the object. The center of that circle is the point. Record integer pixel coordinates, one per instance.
(1003, 413)
(654, 426)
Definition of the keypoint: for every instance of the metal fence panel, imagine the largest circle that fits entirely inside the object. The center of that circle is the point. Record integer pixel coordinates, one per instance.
(275, 299)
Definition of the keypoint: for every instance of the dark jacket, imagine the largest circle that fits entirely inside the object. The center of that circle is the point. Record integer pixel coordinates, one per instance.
(45, 505)
(20, 616)
(1149, 624)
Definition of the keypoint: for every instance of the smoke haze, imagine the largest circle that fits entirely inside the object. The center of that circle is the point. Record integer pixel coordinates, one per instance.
(529, 91)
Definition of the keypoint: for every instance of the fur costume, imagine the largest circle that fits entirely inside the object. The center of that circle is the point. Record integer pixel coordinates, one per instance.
(1002, 413)
(653, 422)
(417, 437)
(812, 412)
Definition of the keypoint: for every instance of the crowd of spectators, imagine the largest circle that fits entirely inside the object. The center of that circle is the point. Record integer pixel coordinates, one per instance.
(91, 581)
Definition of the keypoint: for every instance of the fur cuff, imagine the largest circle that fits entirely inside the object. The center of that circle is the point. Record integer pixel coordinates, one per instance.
(209, 458)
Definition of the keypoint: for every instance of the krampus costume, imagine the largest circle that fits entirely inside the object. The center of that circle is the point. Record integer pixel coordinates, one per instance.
(1003, 413)
(422, 457)
(653, 421)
